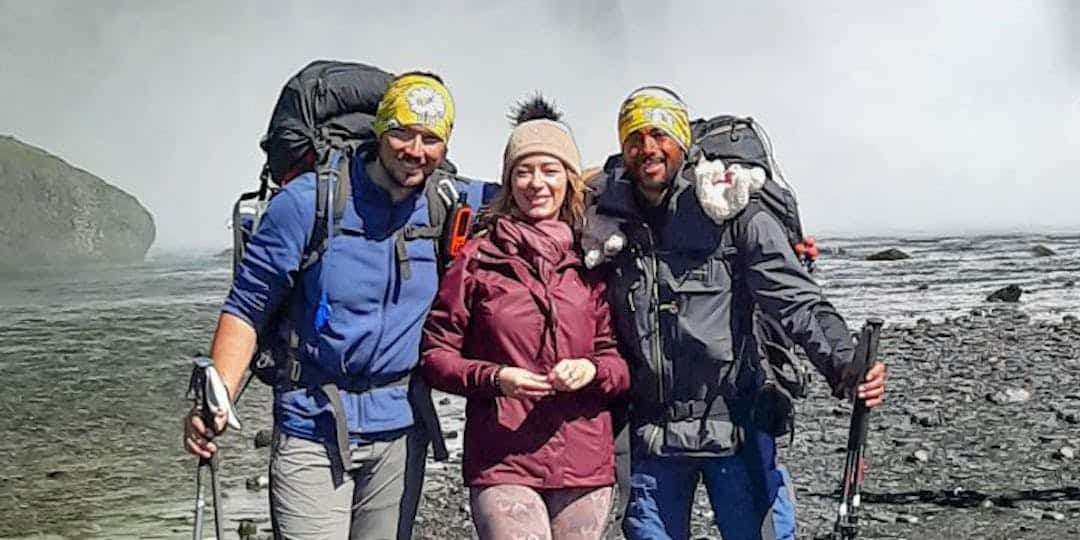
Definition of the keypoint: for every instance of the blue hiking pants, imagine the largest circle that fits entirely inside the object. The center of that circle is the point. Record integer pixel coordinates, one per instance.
(751, 497)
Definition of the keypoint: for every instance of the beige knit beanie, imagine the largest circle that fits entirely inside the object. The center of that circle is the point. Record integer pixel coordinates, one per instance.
(539, 131)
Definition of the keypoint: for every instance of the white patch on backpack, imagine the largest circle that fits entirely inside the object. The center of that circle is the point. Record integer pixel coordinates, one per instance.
(725, 190)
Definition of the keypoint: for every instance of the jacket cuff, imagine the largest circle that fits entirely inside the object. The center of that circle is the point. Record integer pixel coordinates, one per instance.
(601, 372)
(491, 379)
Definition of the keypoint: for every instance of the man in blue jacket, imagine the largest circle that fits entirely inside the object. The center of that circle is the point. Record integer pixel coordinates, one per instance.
(355, 318)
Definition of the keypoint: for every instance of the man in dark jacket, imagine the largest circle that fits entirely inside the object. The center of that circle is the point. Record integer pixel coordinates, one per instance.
(686, 268)
(348, 456)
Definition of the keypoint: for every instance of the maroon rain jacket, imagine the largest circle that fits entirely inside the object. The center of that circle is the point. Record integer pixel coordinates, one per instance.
(520, 296)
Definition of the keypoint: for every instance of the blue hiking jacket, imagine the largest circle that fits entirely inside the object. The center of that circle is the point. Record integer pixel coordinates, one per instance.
(373, 331)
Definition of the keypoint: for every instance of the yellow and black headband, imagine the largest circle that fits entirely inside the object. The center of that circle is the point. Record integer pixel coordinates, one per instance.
(655, 107)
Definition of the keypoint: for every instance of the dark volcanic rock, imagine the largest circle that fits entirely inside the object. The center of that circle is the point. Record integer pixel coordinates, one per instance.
(891, 254)
(1006, 294)
(1043, 251)
(53, 213)
(263, 438)
(247, 529)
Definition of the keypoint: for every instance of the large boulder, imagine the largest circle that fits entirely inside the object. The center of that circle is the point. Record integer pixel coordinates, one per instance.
(53, 213)
(891, 254)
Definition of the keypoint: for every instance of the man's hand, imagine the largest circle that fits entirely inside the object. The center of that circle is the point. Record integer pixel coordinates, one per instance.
(572, 374)
(197, 439)
(523, 384)
(873, 388)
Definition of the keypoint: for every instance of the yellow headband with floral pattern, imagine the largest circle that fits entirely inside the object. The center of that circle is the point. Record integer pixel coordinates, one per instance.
(416, 100)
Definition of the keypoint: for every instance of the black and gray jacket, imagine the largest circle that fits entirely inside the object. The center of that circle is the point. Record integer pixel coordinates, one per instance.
(682, 291)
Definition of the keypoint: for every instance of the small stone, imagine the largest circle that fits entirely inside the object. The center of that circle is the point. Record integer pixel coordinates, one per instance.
(882, 516)
(987, 503)
(1069, 319)
(1042, 251)
(247, 529)
(1009, 395)
(919, 456)
(1071, 417)
(1032, 513)
(1066, 452)
(926, 419)
(263, 438)
(256, 483)
(1010, 294)
(906, 441)
(1053, 516)
(907, 518)
(444, 401)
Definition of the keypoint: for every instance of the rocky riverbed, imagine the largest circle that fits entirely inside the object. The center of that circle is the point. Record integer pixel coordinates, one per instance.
(982, 406)
(979, 439)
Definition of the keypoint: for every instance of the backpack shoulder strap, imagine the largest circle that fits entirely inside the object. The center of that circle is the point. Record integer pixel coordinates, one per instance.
(329, 206)
(443, 199)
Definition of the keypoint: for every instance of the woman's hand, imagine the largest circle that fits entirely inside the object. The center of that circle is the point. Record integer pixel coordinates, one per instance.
(523, 384)
(572, 374)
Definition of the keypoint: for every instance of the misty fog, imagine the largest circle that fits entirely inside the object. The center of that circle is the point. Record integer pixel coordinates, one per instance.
(912, 118)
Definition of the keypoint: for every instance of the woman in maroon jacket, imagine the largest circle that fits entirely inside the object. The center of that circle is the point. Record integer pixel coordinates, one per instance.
(523, 331)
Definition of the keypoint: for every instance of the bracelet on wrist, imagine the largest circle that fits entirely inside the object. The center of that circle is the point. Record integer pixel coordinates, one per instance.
(495, 380)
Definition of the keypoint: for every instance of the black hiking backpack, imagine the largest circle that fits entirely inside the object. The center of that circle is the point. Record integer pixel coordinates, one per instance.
(742, 140)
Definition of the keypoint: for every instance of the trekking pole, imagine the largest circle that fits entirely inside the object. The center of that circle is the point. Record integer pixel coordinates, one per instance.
(197, 391)
(847, 514)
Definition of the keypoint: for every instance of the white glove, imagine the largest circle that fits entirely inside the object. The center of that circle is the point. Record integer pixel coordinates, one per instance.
(601, 238)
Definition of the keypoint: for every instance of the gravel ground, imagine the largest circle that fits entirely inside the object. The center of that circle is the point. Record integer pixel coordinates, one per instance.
(979, 438)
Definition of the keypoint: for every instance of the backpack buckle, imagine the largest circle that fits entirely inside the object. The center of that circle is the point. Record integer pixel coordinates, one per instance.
(680, 410)
(294, 373)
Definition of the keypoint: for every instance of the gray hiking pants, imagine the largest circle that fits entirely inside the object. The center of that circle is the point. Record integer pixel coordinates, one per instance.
(376, 497)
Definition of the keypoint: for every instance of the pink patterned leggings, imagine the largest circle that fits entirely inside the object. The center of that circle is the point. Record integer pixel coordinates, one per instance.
(514, 512)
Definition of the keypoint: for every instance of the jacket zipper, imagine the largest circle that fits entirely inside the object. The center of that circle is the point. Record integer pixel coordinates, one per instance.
(654, 310)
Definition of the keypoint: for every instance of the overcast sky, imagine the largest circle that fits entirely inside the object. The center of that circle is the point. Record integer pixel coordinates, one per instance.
(917, 117)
